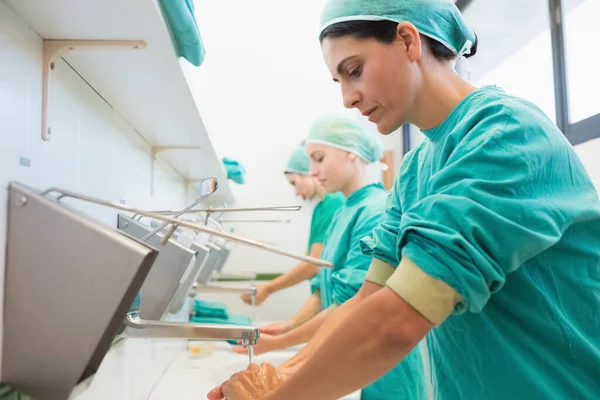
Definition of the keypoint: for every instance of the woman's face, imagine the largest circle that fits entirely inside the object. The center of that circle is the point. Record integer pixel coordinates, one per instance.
(380, 80)
(304, 185)
(333, 168)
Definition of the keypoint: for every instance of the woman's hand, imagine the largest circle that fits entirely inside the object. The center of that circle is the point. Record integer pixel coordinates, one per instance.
(265, 344)
(262, 292)
(253, 383)
(278, 328)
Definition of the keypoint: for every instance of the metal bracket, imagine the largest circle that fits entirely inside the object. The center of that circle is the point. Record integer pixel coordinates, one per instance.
(154, 155)
(53, 49)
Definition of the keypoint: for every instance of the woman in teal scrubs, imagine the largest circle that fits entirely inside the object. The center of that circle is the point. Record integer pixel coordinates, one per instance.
(340, 150)
(490, 246)
(298, 174)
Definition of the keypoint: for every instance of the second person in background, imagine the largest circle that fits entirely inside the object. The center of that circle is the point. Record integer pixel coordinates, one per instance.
(298, 174)
(340, 151)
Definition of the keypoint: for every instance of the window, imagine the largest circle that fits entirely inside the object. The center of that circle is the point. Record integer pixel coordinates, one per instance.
(515, 49)
(582, 36)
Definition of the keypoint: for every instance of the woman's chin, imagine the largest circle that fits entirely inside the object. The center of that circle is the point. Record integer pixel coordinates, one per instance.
(386, 127)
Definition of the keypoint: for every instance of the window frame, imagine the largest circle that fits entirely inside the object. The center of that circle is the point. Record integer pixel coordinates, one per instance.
(578, 132)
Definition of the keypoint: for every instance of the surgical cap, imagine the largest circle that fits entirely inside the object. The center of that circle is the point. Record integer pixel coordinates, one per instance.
(345, 134)
(299, 163)
(438, 19)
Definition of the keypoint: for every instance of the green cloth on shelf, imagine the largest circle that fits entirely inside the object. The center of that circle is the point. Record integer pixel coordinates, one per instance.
(235, 171)
(184, 30)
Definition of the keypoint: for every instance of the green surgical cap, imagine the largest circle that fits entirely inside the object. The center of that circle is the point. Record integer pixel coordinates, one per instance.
(299, 163)
(439, 19)
(345, 134)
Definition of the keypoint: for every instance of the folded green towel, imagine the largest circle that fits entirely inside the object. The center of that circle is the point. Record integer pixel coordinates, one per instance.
(208, 313)
(182, 22)
(210, 310)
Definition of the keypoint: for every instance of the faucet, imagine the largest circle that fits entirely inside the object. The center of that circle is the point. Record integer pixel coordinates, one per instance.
(135, 327)
(216, 288)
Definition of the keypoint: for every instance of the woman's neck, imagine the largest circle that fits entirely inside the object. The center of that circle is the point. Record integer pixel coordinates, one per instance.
(441, 93)
(359, 180)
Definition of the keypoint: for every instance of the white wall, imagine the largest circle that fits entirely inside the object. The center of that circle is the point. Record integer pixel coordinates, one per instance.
(92, 149)
(262, 84)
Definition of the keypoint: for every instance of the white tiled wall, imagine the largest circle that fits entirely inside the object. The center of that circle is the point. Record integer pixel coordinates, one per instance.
(92, 149)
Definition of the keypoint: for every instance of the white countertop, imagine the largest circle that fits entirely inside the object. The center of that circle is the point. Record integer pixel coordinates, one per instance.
(166, 370)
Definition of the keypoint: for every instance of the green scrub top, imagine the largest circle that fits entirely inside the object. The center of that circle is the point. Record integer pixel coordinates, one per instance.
(496, 204)
(322, 216)
(362, 212)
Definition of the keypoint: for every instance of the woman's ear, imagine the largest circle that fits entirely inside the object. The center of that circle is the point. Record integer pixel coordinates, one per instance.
(351, 156)
(408, 34)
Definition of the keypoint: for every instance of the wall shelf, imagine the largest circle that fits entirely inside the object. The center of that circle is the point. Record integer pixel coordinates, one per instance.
(146, 87)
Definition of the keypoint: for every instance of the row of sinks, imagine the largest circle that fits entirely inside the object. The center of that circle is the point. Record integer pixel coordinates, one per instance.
(190, 379)
(167, 370)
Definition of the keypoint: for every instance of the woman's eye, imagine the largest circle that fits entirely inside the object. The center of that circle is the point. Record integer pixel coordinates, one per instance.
(355, 73)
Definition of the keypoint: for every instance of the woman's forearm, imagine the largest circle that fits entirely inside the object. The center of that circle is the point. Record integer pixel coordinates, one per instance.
(304, 332)
(299, 273)
(334, 320)
(372, 340)
(308, 310)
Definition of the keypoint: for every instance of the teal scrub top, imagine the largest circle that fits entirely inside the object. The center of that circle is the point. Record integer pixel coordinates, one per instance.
(321, 220)
(496, 204)
(322, 217)
(362, 212)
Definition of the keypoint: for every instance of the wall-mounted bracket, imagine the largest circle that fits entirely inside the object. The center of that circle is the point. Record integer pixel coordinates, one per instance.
(54, 49)
(154, 155)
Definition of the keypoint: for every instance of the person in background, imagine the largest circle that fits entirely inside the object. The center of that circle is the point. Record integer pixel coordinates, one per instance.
(298, 174)
(341, 152)
(490, 246)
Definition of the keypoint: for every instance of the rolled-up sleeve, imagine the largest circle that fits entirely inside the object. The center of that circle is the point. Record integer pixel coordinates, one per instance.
(381, 242)
(491, 209)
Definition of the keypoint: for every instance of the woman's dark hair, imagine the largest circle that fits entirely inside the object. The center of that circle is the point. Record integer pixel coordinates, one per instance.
(385, 32)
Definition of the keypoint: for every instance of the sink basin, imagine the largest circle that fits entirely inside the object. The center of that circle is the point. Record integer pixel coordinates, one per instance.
(193, 379)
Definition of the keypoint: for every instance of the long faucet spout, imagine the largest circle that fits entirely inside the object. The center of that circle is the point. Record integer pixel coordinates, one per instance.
(135, 327)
